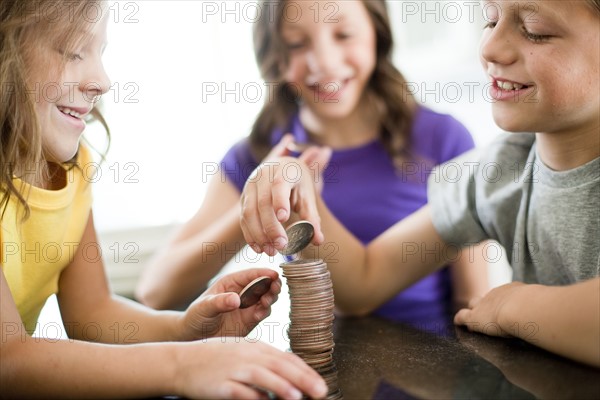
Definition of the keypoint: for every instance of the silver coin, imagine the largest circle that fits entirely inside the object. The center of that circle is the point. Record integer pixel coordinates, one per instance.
(251, 294)
(299, 236)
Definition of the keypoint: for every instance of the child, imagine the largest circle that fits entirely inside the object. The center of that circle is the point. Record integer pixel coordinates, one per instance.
(541, 203)
(335, 85)
(48, 245)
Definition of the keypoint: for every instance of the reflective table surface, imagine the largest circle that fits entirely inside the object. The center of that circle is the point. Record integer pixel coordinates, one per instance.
(380, 359)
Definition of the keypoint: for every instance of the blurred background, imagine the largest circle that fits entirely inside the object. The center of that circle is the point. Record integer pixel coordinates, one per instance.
(185, 87)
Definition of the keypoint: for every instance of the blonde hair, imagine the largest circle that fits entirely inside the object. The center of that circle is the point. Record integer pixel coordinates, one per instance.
(27, 28)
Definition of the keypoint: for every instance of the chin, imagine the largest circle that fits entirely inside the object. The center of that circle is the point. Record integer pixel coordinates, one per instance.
(62, 154)
(511, 123)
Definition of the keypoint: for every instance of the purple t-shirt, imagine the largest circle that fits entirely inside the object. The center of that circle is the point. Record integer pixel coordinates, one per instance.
(368, 195)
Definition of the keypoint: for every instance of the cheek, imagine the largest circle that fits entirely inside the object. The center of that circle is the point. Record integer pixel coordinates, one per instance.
(295, 70)
(364, 58)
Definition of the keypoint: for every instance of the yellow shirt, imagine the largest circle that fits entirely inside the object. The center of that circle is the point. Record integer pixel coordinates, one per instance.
(33, 253)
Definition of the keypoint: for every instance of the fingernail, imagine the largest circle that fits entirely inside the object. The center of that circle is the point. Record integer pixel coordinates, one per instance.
(281, 215)
(295, 393)
(321, 387)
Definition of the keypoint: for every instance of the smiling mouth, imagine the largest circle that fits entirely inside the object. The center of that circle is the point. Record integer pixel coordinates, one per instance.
(70, 113)
(329, 88)
(509, 85)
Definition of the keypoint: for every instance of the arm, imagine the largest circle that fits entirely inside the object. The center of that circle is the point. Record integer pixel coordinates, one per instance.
(199, 250)
(363, 277)
(90, 312)
(182, 269)
(469, 275)
(562, 319)
(71, 368)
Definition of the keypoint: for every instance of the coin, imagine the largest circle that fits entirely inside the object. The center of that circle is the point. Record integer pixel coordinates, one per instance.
(251, 294)
(299, 236)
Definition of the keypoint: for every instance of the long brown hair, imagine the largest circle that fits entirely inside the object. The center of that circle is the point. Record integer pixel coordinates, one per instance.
(28, 28)
(387, 87)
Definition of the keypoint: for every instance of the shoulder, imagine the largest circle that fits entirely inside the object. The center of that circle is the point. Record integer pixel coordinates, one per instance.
(439, 137)
(509, 148)
(239, 153)
(238, 163)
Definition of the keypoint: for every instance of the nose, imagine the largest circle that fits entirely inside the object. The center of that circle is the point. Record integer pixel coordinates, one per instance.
(324, 58)
(497, 46)
(97, 81)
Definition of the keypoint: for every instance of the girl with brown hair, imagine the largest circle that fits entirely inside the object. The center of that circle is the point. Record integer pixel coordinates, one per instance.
(334, 85)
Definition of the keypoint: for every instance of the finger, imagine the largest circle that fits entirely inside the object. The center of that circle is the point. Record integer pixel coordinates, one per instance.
(249, 236)
(317, 158)
(249, 219)
(273, 208)
(214, 305)
(474, 301)
(238, 280)
(269, 380)
(251, 223)
(303, 377)
(281, 148)
(462, 317)
(287, 380)
(308, 210)
(237, 390)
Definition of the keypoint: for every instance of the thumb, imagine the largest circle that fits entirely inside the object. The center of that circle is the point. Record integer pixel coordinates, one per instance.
(214, 305)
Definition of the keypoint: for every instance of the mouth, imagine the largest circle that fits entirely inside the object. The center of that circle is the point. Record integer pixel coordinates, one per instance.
(75, 113)
(330, 88)
(506, 85)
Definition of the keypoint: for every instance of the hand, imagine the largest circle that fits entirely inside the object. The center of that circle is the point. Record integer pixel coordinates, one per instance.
(276, 189)
(229, 368)
(484, 314)
(216, 312)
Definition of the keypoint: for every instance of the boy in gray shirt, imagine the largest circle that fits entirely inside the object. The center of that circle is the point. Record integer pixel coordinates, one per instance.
(537, 194)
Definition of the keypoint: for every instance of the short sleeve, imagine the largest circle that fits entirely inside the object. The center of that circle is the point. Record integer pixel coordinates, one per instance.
(452, 193)
(238, 163)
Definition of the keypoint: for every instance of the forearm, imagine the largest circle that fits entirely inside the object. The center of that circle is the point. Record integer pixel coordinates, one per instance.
(564, 320)
(469, 275)
(36, 368)
(119, 320)
(364, 278)
(178, 273)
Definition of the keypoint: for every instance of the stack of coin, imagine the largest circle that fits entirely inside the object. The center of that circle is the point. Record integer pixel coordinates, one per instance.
(311, 318)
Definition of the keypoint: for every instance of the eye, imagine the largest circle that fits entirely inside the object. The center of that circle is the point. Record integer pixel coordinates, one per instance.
(291, 46)
(70, 56)
(535, 37)
(73, 56)
(490, 25)
(343, 35)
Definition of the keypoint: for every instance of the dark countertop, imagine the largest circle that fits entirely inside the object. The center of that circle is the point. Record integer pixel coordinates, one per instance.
(380, 359)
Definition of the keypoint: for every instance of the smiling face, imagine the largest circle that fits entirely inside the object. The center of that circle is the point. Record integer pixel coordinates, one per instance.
(63, 104)
(332, 54)
(543, 61)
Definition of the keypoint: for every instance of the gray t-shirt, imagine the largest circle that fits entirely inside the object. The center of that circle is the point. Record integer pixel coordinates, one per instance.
(548, 221)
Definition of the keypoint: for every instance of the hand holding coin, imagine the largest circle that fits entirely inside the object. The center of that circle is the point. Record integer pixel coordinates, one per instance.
(251, 294)
(299, 234)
